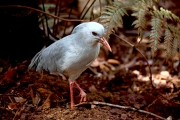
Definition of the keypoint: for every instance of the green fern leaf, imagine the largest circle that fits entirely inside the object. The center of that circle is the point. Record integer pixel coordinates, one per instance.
(165, 14)
(112, 17)
(168, 14)
(155, 34)
(168, 42)
(175, 46)
(140, 23)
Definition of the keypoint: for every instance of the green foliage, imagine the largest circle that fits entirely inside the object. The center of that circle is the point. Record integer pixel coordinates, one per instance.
(140, 9)
(168, 39)
(111, 17)
(163, 23)
(171, 35)
(141, 21)
(175, 45)
(155, 33)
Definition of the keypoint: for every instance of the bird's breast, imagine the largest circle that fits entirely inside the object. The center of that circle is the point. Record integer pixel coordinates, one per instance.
(79, 59)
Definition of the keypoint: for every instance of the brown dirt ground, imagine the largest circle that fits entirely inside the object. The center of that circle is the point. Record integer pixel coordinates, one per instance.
(48, 98)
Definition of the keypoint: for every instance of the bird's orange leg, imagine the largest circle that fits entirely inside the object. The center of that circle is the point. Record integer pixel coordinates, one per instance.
(71, 83)
(82, 93)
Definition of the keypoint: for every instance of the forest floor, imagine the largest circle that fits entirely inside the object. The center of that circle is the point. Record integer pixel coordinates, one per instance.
(117, 89)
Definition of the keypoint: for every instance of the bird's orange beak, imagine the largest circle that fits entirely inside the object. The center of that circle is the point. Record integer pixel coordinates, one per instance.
(105, 43)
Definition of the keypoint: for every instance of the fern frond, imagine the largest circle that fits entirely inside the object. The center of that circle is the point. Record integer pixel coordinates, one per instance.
(155, 34)
(168, 14)
(111, 17)
(140, 10)
(174, 46)
(168, 42)
(175, 42)
(165, 14)
(140, 23)
(143, 4)
(175, 30)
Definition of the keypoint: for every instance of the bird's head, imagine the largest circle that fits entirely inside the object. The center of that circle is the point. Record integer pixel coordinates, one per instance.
(93, 31)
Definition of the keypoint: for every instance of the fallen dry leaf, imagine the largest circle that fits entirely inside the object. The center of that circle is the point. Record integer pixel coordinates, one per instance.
(19, 99)
(44, 91)
(13, 106)
(47, 102)
(10, 74)
(113, 61)
(103, 67)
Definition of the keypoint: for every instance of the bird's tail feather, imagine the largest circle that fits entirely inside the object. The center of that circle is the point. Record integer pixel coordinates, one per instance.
(35, 60)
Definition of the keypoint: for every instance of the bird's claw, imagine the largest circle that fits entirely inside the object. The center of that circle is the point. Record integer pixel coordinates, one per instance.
(83, 96)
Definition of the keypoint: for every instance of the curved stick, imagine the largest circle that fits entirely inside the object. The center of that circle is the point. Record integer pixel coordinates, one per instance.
(37, 10)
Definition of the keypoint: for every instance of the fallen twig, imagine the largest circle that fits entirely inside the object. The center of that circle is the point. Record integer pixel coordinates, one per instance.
(120, 106)
(21, 110)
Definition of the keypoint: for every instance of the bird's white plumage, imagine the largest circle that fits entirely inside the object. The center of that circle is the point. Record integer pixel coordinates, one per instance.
(72, 54)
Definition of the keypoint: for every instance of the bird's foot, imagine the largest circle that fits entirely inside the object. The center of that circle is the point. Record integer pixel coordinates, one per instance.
(83, 96)
(82, 93)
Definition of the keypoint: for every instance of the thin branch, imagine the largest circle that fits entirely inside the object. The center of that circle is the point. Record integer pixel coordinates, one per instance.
(150, 76)
(88, 9)
(37, 10)
(120, 106)
(67, 22)
(47, 26)
(20, 111)
(56, 10)
(100, 5)
(84, 9)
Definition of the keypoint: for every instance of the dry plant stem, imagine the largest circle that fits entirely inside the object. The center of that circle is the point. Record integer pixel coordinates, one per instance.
(56, 9)
(120, 106)
(18, 113)
(32, 94)
(100, 8)
(46, 103)
(150, 76)
(10, 99)
(58, 14)
(59, 10)
(44, 27)
(153, 102)
(47, 26)
(88, 9)
(84, 9)
(67, 22)
(95, 72)
(20, 6)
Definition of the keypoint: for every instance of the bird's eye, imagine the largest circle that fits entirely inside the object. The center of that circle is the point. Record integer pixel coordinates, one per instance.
(94, 33)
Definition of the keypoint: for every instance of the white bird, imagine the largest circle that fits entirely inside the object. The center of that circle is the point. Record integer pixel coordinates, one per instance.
(72, 54)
